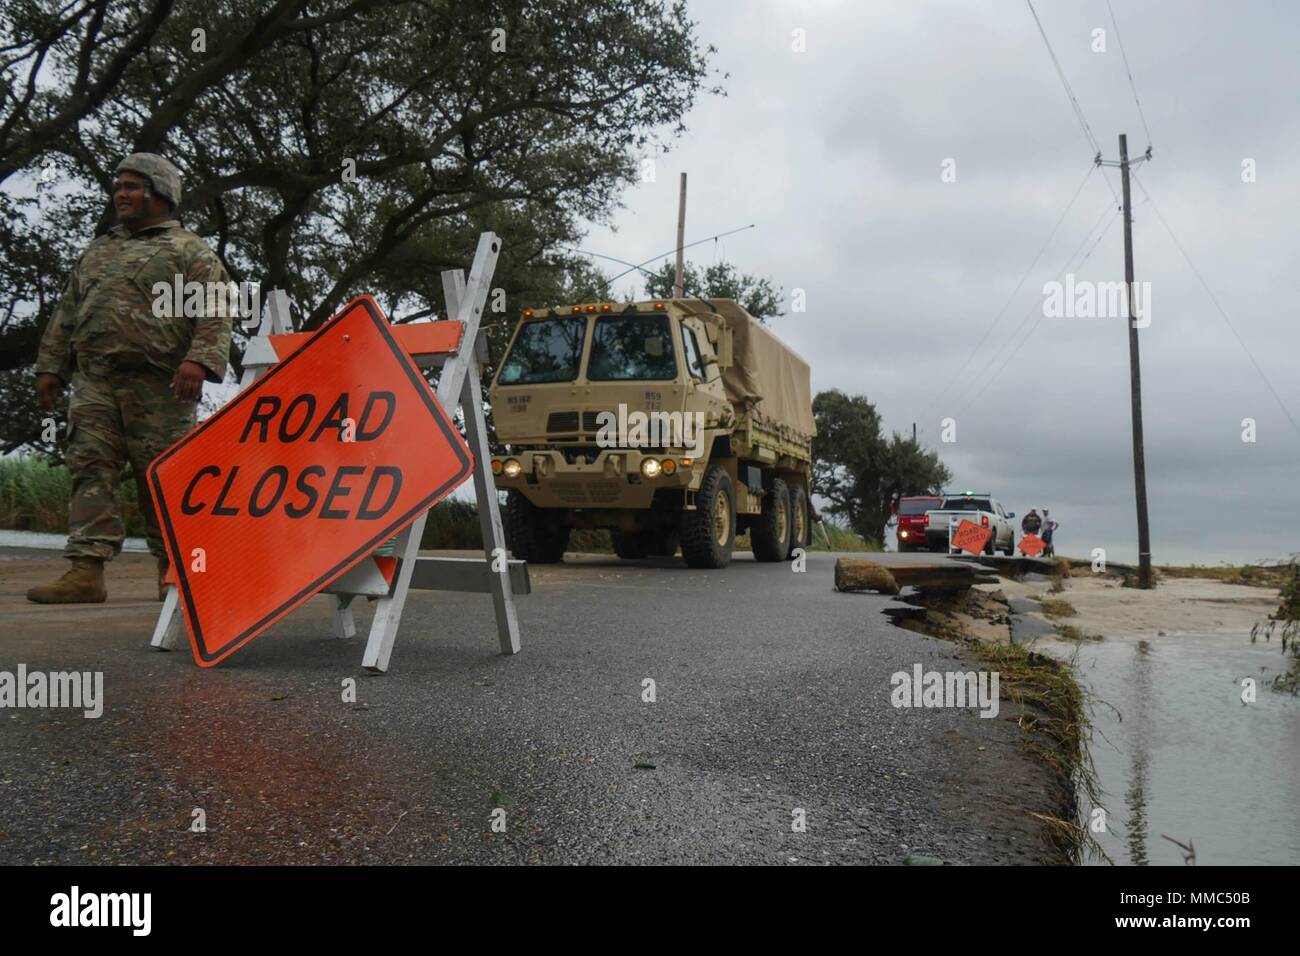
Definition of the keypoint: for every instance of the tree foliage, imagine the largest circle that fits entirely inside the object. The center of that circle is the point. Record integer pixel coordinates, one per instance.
(857, 469)
(331, 147)
(721, 280)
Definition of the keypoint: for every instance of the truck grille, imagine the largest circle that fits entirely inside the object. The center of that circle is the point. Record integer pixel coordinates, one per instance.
(562, 422)
(586, 492)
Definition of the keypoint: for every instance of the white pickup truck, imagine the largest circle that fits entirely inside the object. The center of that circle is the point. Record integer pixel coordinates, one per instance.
(981, 509)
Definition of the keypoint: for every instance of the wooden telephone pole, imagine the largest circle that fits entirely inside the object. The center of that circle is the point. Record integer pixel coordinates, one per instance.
(1135, 381)
(681, 238)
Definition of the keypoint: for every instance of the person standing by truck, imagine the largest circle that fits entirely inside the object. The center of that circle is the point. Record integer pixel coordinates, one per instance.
(1049, 526)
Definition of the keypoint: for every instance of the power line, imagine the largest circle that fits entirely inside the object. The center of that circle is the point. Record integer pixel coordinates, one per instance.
(952, 381)
(674, 249)
(1208, 291)
(1037, 307)
(1074, 103)
(1129, 71)
(1034, 327)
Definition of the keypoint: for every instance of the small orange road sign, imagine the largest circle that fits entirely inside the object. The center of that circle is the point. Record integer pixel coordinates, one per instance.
(1032, 545)
(970, 537)
(300, 477)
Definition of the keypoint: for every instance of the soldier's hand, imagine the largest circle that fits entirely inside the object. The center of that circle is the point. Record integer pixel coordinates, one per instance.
(188, 383)
(49, 389)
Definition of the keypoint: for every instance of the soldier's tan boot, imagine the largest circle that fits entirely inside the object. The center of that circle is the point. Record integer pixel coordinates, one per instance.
(82, 584)
(162, 585)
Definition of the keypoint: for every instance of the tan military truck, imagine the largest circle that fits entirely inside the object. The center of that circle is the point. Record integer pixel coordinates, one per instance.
(681, 422)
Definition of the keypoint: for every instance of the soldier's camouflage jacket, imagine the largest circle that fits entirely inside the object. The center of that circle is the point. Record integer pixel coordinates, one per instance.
(107, 310)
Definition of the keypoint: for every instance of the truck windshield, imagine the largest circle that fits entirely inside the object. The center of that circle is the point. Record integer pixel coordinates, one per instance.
(632, 347)
(966, 504)
(547, 350)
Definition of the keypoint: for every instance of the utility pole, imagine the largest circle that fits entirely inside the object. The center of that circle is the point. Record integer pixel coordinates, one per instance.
(1135, 380)
(913, 433)
(681, 238)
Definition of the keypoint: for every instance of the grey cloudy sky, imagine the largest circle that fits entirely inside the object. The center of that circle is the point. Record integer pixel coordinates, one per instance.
(836, 154)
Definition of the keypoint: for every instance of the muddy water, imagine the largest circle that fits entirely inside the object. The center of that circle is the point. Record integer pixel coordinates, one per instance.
(1179, 754)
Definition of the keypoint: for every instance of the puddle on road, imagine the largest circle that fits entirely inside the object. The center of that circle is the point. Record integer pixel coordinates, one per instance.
(1181, 755)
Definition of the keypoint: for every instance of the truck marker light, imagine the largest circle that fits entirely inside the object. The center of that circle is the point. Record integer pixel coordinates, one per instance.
(591, 308)
(669, 466)
(659, 305)
(576, 309)
(650, 468)
(687, 462)
(605, 308)
(512, 468)
(528, 313)
(496, 466)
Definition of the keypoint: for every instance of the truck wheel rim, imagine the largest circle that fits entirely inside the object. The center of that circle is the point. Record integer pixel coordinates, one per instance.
(782, 520)
(722, 520)
(798, 525)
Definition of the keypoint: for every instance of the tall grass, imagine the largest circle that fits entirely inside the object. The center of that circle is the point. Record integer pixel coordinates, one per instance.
(34, 497)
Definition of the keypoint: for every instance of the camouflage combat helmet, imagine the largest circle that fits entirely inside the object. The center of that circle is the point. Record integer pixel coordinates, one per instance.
(165, 177)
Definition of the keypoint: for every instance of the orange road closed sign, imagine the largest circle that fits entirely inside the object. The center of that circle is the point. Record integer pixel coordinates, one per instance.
(970, 537)
(1032, 545)
(300, 477)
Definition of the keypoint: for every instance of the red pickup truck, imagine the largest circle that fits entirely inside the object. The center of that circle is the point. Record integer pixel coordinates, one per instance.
(911, 520)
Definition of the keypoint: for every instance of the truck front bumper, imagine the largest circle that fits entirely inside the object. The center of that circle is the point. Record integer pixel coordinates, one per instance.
(615, 479)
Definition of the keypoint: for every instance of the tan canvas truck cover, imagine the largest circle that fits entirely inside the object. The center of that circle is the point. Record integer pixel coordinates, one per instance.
(767, 378)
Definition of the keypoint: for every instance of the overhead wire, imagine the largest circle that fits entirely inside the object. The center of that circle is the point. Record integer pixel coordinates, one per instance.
(1222, 312)
(1127, 69)
(970, 386)
(952, 380)
(1068, 269)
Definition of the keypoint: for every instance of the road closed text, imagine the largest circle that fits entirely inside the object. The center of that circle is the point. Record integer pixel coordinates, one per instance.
(342, 492)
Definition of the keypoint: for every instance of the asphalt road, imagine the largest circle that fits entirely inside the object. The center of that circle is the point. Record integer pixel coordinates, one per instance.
(771, 694)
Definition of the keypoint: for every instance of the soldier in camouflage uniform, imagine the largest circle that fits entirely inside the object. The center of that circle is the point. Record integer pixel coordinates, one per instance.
(136, 377)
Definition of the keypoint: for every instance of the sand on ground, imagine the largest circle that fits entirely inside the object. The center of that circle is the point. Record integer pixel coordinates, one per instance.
(1175, 606)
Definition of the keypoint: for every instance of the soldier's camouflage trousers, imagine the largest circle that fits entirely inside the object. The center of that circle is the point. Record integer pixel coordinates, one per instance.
(117, 417)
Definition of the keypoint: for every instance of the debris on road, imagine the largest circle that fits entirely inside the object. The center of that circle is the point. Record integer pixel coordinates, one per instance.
(859, 574)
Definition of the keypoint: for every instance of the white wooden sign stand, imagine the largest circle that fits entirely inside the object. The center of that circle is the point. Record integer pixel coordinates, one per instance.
(458, 384)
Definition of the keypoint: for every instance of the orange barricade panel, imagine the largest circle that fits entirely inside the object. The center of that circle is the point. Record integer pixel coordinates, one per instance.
(300, 477)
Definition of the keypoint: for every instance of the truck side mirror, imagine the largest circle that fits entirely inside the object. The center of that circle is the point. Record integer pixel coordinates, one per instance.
(720, 339)
(725, 358)
(1011, 514)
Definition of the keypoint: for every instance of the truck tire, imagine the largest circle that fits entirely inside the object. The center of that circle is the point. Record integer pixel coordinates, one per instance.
(770, 533)
(800, 528)
(536, 534)
(1011, 548)
(709, 532)
(630, 545)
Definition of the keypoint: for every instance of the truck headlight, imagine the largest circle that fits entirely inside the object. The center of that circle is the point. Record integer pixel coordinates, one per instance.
(650, 468)
(512, 468)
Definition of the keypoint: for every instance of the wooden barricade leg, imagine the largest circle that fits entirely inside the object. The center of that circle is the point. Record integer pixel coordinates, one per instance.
(489, 512)
(469, 311)
(345, 625)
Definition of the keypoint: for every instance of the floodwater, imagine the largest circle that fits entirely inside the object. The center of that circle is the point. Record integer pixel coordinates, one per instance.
(1178, 753)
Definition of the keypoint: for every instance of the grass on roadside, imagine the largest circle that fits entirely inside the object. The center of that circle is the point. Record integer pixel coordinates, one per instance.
(1057, 607)
(1054, 715)
(34, 497)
